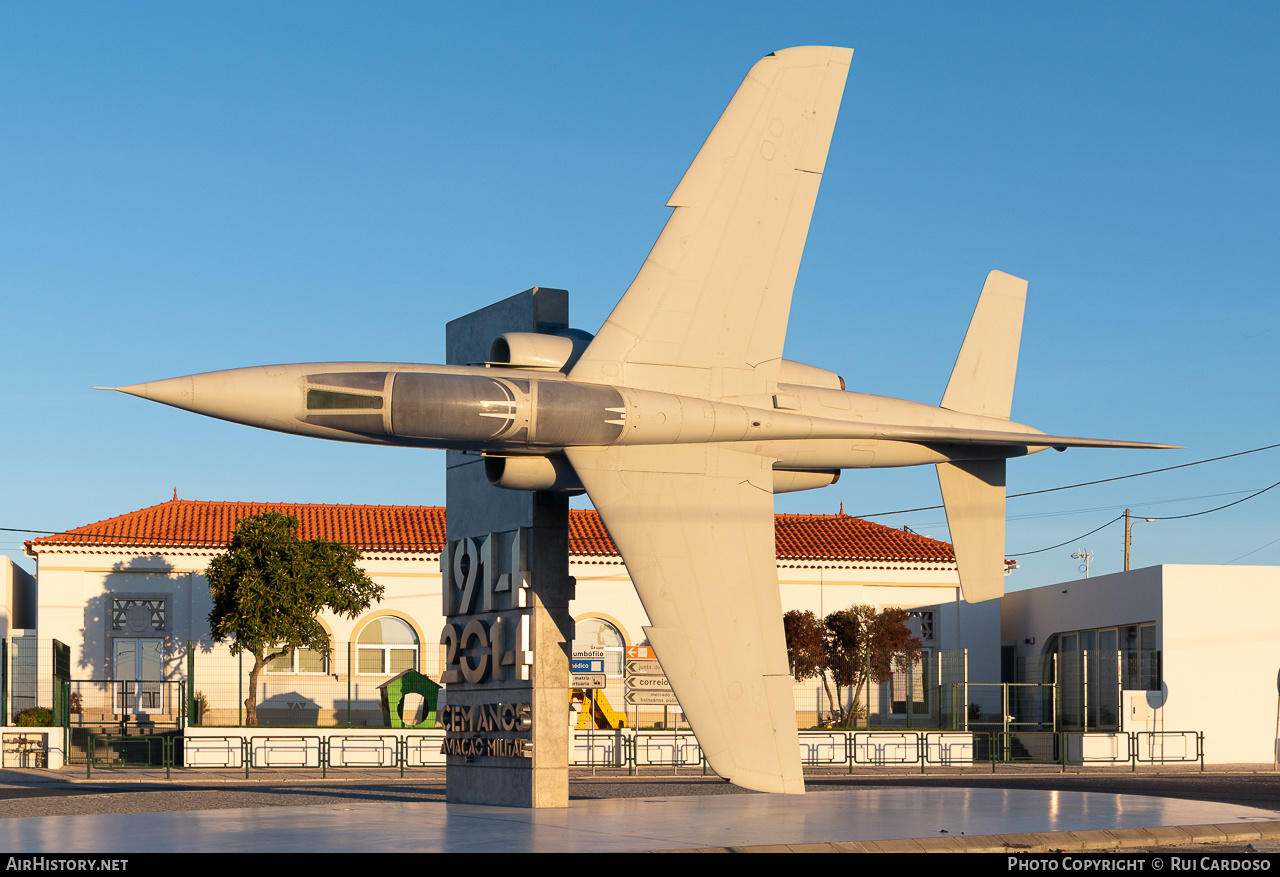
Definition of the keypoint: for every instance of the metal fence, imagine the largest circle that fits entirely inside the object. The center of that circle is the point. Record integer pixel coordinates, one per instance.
(928, 693)
(208, 687)
(993, 707)
(302, 689)
(1082, 690)
(640, 752)
(342, 690)
(160, 703)
(1076, 691)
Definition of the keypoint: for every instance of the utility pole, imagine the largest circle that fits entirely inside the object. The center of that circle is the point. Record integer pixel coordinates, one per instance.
(1128, 538)
(1128, 534)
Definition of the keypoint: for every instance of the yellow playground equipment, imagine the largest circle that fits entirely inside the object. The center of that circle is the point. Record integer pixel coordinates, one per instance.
(606, 718)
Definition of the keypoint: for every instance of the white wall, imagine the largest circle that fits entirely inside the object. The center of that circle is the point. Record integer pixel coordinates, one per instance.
(1218, 630)
(1101, 601)
(1221, 642)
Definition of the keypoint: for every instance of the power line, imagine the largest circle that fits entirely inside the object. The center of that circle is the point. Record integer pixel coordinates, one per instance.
(1069, 541)
(207, 542)
(1254, 551)
(930, 508)
(1168, 518)
(1114, 506)
(1219, 508)
(1149, 471)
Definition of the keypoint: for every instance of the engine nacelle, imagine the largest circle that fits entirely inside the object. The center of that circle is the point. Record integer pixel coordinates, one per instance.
(792, 372)
(791, 481)
(539, 350)
(553, 474)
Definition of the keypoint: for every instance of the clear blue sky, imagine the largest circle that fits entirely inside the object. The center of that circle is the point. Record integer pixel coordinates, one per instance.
(199, 186)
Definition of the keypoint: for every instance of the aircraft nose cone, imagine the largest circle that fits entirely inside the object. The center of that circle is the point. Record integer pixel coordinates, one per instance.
(263, 396)
(178, 392)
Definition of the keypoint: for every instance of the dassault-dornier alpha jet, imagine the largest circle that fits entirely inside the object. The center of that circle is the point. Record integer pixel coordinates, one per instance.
(681, 419)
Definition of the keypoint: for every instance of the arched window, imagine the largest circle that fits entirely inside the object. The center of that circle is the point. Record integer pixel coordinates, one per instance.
(598, 633)
(386, 646)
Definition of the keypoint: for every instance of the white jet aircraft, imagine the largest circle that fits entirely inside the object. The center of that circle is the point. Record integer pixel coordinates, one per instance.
(681, 419)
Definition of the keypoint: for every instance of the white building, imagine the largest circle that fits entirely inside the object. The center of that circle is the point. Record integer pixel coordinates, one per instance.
(128, 594)
(1166, 648)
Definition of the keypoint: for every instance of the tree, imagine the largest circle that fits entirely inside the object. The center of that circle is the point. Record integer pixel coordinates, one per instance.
(858, 645)
(806, 648)
(269, 587)
(805, 651)
(864, 645)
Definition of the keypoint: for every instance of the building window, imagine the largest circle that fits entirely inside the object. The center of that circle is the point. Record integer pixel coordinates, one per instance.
(908, 685)
(920, 621)
(137, 615)
(599, 634)
(300, 661)
(1132, 645)
(387, 646)
(1094, 666)
(1141, 660)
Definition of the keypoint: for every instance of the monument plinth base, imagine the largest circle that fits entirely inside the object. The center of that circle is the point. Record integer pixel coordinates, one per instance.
(506, 593)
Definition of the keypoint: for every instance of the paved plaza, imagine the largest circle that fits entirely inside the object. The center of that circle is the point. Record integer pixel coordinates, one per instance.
(379, 812)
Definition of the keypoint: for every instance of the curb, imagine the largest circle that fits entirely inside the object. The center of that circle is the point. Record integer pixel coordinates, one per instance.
(1042, 842)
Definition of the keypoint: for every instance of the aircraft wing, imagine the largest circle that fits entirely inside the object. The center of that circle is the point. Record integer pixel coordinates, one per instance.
(694, 524)
(707, 314)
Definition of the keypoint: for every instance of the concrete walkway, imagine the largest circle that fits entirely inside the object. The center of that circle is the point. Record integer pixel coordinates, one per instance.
(716, 819)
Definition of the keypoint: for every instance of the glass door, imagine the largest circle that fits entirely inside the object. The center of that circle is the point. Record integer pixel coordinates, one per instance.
(139, 668)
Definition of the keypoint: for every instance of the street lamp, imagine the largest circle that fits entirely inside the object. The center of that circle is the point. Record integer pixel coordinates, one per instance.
(1128, 534)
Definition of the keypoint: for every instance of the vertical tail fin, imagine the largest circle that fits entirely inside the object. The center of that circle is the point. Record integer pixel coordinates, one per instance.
(982, 383)
(982, 380)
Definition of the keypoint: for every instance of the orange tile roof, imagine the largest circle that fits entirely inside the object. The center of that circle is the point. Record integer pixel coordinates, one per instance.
(192, 524)
(844, 537)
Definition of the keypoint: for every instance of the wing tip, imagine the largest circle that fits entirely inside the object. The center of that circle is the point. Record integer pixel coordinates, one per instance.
(806, 55)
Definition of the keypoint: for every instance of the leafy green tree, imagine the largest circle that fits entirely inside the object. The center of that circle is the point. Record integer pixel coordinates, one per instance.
(269, 587)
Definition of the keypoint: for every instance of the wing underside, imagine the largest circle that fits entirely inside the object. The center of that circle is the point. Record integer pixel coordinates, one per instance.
(694, 524)
(707, 314)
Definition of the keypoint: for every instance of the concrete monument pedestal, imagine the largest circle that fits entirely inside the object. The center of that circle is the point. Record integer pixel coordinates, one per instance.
(507, 588)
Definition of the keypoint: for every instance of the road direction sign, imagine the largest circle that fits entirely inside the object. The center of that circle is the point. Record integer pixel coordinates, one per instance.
(648, 683)
(651, 698)
(644, 668)
(587, 680)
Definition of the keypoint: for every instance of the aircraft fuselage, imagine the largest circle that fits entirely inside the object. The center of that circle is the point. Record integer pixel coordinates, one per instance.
(512, 411)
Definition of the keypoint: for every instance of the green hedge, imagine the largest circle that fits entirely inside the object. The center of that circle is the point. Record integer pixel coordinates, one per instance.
(36, 717)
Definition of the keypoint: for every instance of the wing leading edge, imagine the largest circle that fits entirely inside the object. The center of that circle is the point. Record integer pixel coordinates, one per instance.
(694, 524)
(706, 315)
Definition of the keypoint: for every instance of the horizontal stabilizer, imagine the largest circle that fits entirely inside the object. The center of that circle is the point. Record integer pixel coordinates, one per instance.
(966, 436)
(973, 492)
